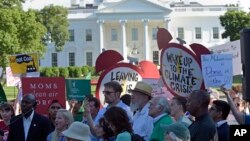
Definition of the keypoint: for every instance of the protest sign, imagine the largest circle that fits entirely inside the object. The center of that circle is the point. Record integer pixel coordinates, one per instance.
(77, 89)
(159, 89)
(45, 89)
(230, 48)
(24, 63)
(180, 70)
(217, 70)
(126, 74)
(11, 79)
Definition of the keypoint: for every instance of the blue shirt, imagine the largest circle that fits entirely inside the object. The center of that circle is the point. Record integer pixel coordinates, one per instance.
(247, 119)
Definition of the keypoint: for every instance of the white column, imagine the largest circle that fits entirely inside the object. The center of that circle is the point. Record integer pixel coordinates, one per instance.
(167, 21)
(100, 22)
(146, 39)
(124, 43)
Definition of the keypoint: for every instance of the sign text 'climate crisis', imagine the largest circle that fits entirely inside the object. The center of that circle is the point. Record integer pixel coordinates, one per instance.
(180, 72)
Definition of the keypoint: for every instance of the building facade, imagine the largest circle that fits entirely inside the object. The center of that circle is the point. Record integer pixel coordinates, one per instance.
(130, 27)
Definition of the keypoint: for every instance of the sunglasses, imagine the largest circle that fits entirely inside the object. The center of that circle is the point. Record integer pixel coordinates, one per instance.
(55, 107)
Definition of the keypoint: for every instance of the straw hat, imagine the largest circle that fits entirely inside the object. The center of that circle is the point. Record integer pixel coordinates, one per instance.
(77, 130)
(143, 88)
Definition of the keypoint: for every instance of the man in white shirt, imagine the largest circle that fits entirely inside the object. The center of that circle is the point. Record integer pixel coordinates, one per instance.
(142, 122)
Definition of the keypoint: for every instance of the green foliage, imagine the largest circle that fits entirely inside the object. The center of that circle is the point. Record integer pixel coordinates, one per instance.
(54, 18)
(85, 70)
(55, 72)
(92, 70)
(19, 33)
(233, 22)
(10, 3)
(78, 72)
(71, 71)
(48, 72)
(64, 72)
(25, 31)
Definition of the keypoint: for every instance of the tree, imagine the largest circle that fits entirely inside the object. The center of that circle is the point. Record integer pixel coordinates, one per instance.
(19, 33)
(54, 18)
(11, 3)
(25, 31)
(234, 21)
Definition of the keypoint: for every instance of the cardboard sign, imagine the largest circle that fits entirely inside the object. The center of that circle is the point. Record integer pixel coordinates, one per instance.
(24, 63)
(45, 89)
(14, 79)
(11, 79)
(217, 70)
(159, 89)
(77, 89)
(231, 48)
(180, 70)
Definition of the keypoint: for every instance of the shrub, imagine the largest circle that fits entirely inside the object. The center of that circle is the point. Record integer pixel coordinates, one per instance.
(64, 72)
(48, 72)
(55, 72)
(78, 72)
(85, 70)
(71, 71)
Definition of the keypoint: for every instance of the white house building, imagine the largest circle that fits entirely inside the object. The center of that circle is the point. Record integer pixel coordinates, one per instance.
(130, 27)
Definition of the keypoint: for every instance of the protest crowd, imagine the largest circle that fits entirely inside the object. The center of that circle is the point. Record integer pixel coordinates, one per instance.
(201, 116)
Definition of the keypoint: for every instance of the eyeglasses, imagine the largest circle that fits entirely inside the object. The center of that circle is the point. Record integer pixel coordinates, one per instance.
(107, 92)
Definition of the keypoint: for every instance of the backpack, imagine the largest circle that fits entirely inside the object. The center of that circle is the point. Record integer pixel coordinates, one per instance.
(136, 137)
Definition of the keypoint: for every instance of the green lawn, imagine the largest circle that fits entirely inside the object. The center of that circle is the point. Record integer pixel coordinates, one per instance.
(11, 92)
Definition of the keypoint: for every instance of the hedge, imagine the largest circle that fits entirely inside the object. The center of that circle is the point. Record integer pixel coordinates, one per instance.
(67, 72)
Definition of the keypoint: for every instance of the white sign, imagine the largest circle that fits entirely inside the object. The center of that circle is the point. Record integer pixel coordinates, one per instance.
(180, 71)
(217, 70)
(126, 76)
(230, 48)
(159, 89)
(12, 80)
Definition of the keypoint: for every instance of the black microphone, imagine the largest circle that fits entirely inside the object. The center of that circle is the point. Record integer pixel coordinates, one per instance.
(1, 133)
(22, 115)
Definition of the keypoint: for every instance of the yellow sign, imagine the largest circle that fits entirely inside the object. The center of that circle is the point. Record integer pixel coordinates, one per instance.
(24, 63)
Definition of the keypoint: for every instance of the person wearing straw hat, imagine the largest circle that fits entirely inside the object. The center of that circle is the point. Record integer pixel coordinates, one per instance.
(140, 96)
(77, 131)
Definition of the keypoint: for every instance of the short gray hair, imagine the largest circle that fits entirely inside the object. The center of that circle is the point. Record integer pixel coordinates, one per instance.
(162, 101)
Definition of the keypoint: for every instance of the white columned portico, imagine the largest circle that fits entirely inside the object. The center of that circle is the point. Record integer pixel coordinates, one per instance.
(124, 43)
(146, 40)
(100, 22)
(167, 21)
